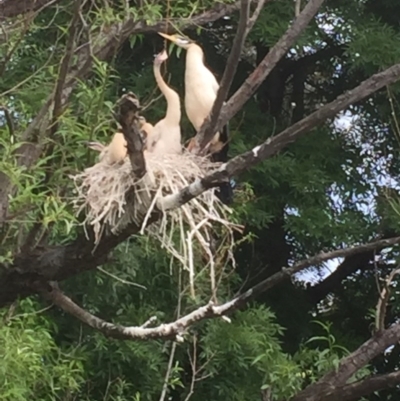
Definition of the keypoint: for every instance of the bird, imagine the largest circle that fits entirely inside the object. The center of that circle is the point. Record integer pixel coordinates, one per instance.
(114, 152)
(166, 134)
(201, 88)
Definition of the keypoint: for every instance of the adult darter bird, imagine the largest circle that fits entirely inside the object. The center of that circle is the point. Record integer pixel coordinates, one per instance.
(166, 134)
(201, 88)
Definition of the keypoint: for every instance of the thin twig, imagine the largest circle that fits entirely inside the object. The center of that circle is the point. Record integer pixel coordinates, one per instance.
(121, 280)
(64, 67)
(253, 19)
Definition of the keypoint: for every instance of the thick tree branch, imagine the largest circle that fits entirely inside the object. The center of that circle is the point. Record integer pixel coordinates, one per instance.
(171, 330)
(207, 130)
(350, 365)
(361, 388)
(274, 144)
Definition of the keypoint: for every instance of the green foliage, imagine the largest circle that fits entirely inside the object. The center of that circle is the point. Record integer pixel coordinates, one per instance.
(316, 194)
(32, 366)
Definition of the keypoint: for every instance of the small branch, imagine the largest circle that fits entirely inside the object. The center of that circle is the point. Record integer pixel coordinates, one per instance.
(165, 331)
(207, 130)
(274, 144)
(128, 117)
(297, 8)
(175, 329)
(253, 19)
(257, 77)
(383, 301)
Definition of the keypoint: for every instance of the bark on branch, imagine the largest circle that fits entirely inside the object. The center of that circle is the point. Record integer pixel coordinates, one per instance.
(362, 388)
(128, 117)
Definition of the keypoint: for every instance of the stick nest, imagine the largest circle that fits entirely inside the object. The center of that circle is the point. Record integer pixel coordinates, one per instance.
(112, 198)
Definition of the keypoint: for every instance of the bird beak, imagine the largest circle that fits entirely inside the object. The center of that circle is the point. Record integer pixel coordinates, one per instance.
(169, 37)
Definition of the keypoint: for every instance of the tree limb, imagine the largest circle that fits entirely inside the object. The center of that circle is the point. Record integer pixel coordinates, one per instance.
(128, 118)
(361, 388)
(274, 144)
(60, 262)
(64, 67)
(349, 365)
(177, 328)
(252, 20)
(251, 84)
(207, 130)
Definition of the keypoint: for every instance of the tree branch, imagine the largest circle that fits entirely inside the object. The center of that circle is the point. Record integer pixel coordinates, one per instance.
(361, 388)
(207, 130)
(350, 365)
(274, 144)
(248, 88)
(177, 328)
(253, 19)
(13, 8)
(128, 118)
(64, 67)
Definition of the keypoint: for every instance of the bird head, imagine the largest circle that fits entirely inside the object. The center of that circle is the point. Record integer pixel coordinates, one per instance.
(161, 57)
(179, 40)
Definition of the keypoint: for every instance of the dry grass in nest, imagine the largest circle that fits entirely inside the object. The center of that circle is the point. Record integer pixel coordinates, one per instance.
(186, 232)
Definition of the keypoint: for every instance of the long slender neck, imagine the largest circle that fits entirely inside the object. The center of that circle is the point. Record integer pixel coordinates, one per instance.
(173, 114)
(194, 58)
